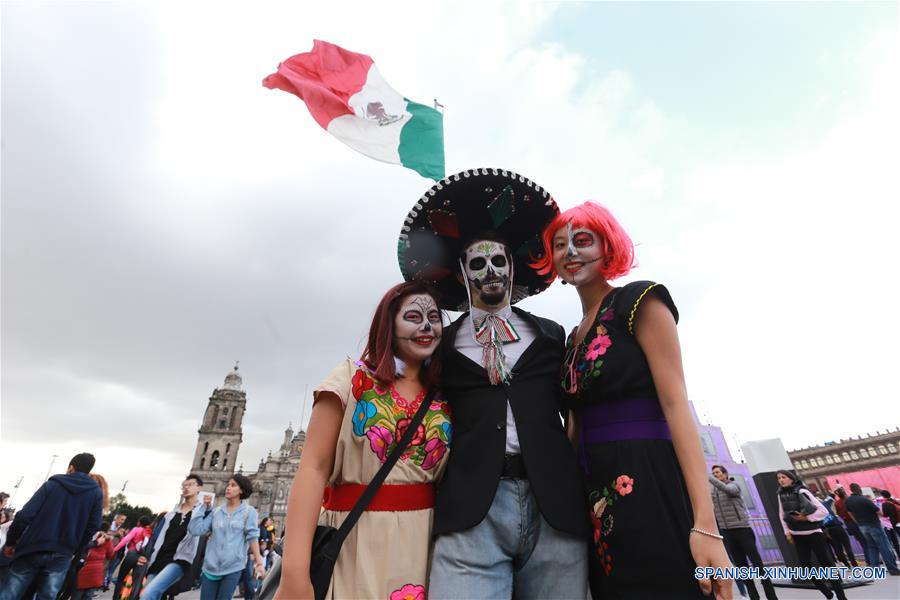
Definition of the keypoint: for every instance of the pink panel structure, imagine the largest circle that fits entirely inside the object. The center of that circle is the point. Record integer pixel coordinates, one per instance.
(885, 478)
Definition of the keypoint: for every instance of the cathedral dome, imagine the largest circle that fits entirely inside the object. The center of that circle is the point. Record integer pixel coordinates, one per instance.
(233, 380)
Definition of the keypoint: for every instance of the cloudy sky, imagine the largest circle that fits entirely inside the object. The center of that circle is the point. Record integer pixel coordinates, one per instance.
(164, 215)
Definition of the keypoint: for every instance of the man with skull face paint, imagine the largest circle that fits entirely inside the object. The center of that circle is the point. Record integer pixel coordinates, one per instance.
(510, 518)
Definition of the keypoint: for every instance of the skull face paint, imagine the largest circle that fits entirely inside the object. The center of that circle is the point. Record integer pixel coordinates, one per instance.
(417, 328)
(488, 273)
(575, 254)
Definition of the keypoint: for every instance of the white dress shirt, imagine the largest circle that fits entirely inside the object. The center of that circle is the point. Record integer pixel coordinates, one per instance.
(512, 351)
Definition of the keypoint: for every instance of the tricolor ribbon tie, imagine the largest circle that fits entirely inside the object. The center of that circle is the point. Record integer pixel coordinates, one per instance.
(492, 331)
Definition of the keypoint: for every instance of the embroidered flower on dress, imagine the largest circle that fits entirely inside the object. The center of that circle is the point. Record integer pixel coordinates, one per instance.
(383, 415)
(624, 485)
(607, 315)
(598, 347)
(379, 438)
(603, 523)
(361, 382)
(447, 426)
(363, 412)
(434, 451)
(607, 526)
(605, 558)
(409, 592)
(403, 425)
(595, 523)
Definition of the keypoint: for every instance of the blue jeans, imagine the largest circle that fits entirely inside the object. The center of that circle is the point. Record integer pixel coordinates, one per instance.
(248, 580)
(47, 569)
(222, 589)
(111, 569)
(877, 542)
(158, 584)
(512, 553)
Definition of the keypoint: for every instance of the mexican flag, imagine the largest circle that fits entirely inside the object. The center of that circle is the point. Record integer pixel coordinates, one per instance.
(347, 96)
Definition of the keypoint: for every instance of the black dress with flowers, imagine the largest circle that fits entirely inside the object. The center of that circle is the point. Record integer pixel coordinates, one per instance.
(640, 508)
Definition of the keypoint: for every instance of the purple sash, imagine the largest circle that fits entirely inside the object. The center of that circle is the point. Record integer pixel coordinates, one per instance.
(626, 419)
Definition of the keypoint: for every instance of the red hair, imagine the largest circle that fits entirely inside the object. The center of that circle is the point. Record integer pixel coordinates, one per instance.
(618, 249)
(379, 352)
(101, 481)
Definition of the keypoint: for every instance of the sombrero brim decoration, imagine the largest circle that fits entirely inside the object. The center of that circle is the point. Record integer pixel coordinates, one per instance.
(463, 205)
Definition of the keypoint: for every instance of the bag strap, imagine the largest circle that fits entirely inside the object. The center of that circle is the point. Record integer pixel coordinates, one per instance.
(334, 545)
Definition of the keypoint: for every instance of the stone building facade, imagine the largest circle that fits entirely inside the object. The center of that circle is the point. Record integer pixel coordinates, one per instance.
(218, 441)
(872, 452)
(273, 478)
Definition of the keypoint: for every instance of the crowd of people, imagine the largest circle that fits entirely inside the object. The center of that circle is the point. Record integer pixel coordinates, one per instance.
(816, 524)
(495, 456)
(57, 547)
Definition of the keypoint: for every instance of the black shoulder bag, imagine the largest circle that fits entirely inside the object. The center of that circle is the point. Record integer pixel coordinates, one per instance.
(327, 540)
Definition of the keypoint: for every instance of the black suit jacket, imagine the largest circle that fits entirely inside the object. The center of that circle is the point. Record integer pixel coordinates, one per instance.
(479, 434)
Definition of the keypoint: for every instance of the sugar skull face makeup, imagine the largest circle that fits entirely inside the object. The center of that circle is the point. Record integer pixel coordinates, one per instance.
(575, 254)
(488, 273)
(417, 328)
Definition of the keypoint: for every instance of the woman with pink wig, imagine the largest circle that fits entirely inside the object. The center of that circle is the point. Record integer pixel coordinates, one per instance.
(638, 444)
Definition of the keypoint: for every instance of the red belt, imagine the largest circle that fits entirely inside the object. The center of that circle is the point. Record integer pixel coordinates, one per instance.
(413, 496)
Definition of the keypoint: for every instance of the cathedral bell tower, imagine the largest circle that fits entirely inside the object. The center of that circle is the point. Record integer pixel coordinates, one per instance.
(220, 435)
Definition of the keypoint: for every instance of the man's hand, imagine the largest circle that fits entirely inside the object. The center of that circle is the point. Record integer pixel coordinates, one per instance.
(142, 560)
(8, 551)
(260, 571)
(790, 538)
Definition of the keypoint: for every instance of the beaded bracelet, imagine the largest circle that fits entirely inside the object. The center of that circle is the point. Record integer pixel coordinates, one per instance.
(707, 533)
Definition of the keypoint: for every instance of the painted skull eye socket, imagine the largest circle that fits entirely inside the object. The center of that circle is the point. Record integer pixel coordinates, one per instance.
(499, 261)
(412, 316)
(434, 316)
(477, 263)
(582, 239)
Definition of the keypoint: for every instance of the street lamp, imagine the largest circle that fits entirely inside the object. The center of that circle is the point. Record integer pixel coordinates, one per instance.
(52, 460)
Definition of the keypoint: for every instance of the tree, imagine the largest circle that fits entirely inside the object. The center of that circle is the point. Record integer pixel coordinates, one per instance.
(118, 504)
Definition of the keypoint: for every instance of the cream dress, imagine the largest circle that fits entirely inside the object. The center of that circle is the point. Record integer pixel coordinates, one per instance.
(386, 554)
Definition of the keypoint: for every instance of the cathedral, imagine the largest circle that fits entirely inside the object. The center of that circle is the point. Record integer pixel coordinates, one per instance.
(218, 441)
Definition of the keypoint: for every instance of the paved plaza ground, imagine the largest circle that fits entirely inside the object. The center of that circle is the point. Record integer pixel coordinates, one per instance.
(886, 589)
(889, 589)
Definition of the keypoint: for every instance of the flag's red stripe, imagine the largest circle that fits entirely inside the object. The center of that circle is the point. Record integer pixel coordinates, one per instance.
(323, 78)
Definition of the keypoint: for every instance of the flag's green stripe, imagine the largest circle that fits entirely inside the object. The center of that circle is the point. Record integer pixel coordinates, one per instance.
(422, 141)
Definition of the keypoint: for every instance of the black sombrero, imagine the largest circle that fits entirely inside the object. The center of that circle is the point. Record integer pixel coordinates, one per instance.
(463, 205)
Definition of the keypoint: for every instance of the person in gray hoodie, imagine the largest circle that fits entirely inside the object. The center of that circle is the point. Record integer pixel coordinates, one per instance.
(734, 525)
(58, 521)
(170, 556)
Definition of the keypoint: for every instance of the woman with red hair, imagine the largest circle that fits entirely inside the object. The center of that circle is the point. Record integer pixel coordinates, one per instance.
(635, 433)
(361, 411)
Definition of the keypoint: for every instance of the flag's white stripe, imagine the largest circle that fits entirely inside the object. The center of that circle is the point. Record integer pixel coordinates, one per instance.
(376, 89)
(381, 142)
(380, 115)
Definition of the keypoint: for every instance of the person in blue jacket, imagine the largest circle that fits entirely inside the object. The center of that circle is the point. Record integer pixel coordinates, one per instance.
(233, 530)
(58, 521)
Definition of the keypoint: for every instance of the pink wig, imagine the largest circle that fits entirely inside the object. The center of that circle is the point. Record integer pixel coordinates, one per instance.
(618, 250)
